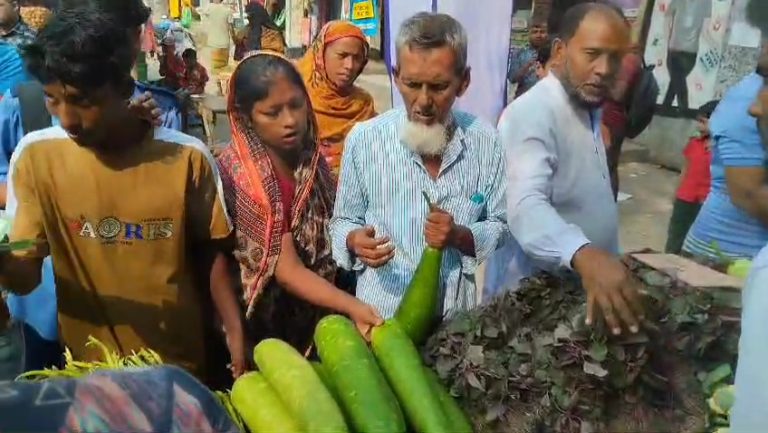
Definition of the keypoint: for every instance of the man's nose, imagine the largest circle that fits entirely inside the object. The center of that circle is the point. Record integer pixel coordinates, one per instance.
(69, 120)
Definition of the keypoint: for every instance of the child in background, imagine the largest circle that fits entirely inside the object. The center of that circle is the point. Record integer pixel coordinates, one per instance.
(194, 76)
(694, 183)
(543, 57)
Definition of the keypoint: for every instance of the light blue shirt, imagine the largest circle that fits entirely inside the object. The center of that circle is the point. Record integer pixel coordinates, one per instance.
(748, 414)
(559, 195)
(12, 69)
(381, 185)
(736, 143)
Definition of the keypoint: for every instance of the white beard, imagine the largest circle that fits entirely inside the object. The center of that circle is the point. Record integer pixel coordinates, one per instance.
(425, 140)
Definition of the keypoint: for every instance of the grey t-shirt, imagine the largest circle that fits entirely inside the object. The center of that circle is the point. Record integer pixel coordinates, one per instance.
(687, 21)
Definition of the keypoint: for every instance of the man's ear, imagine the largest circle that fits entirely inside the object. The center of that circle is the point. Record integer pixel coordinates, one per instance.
(465, 80)
(558, 49)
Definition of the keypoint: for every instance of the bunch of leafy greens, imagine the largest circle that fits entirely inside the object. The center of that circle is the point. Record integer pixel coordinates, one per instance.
(527, 363)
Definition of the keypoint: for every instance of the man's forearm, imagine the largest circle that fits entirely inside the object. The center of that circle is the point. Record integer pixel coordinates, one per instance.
(464, 241)
(20, 276)
(3, 194)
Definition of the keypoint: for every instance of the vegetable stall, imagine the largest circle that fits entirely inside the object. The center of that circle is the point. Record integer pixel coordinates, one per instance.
(523, 363)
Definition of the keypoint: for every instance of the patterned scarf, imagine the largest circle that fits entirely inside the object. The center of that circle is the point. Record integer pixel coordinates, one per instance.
(253, 197)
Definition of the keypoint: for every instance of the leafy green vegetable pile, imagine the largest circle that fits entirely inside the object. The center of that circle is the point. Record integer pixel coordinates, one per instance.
(527, 362)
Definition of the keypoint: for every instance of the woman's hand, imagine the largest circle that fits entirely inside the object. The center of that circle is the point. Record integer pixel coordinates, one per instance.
(239, 364)
(365, 317)
(145, 107)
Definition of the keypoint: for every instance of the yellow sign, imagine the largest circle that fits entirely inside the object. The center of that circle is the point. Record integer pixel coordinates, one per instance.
(363, 10)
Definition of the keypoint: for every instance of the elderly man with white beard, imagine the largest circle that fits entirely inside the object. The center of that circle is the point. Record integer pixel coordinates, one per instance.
(382, 222)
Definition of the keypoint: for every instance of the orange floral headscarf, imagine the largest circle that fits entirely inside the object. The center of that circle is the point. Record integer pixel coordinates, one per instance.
(253, 198)
(336, 113)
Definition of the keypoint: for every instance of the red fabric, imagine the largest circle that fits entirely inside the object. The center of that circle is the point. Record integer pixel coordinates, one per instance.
(194, 80)
(696, 180)
(287, 194)
(615, 112)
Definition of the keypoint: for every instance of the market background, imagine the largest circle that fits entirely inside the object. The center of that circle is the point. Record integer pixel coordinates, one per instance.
(650, 164)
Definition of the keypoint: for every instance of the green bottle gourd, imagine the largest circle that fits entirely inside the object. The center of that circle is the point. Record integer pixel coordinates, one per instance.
(418, 309)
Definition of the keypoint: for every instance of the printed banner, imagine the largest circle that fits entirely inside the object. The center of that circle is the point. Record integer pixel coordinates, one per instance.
(686, 41)
(365, 14)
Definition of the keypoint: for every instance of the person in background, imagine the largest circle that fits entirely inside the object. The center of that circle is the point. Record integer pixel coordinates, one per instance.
(748, 414)
(194, 76)
(733, 221)
(694, 181)
(543, 60)
(13, 30)
(522, 61)
(687, 19)
(133, 273)
(276, 10)
(330, 68)
(218, 24)
(381, 221)
(280, 195)
(12, 73)
(261, 33)
(560, 206)
(615, 115)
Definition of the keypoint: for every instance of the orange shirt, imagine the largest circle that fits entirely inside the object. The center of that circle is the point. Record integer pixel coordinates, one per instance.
(122, 230)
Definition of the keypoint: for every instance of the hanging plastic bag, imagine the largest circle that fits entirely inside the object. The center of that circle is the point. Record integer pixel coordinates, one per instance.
(186, 17)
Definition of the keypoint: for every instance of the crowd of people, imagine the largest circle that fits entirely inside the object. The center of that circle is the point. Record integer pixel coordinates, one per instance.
(320, 204)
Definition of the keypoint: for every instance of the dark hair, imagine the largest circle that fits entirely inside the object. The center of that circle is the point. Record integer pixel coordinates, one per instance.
(544, 53)
(81, 47)
(574, 16)
(707, 109)
(255, 76)
(188, 53)
(128, 14)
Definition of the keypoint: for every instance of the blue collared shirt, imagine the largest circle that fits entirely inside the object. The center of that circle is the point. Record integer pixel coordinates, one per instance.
(20, 34)
(748, 414)
(381, 185)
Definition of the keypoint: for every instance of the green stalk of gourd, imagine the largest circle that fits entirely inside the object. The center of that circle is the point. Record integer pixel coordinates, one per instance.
(355, 379)
(417, 312)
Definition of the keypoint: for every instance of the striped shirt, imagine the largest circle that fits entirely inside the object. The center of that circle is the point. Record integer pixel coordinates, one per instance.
(381, 185)
(722, 228)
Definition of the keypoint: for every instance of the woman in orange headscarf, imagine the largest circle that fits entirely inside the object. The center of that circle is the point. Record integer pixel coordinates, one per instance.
(330, 68)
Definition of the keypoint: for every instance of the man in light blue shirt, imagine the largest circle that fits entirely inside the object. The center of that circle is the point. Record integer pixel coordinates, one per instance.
(382, 222)
(731, 222)
(748, 414)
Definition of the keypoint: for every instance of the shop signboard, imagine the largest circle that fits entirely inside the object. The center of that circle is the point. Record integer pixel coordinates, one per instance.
(365, 14)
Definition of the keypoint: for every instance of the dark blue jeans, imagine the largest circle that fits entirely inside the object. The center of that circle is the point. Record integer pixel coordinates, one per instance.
(23, 349)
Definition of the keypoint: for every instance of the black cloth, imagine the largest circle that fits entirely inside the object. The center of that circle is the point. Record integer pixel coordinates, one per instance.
(680, 64)
(258, 17)
(683, 215)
